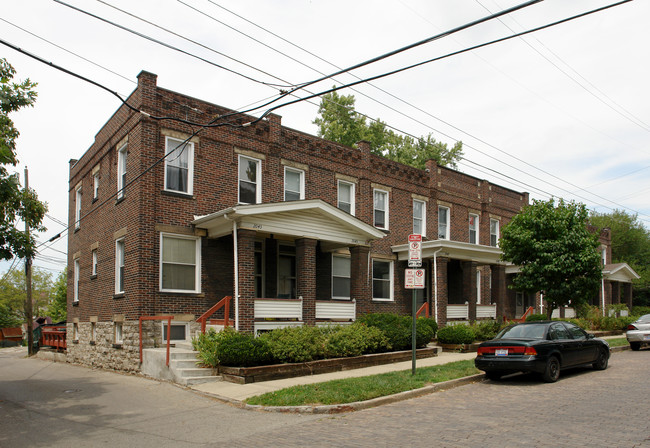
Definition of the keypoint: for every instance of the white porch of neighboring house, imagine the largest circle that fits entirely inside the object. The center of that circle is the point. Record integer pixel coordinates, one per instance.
(283, 257)
(616, 286)
(454, 289)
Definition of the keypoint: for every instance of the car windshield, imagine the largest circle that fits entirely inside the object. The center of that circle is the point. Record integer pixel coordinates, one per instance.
(534, 331)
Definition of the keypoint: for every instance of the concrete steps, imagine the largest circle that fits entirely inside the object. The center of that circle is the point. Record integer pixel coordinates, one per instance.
(182, 368)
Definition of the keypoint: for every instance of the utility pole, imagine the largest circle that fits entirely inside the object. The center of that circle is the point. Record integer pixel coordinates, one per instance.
(28, 285)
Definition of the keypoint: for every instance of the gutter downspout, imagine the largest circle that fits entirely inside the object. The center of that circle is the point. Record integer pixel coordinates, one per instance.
(236, 265)
(602, 292)
(435, 283)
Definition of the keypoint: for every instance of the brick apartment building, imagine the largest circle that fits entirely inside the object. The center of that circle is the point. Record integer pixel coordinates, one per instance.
(298, 230)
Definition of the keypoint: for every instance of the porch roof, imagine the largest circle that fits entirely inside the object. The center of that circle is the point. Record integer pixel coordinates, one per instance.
(311, 218)
(620, 272)
(456, 250)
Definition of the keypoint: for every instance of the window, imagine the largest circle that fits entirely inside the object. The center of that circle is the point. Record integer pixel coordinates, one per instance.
(419, 217)
(75, 332)
(558, 331)
(93, 270)
(179, 165)
(346, 197)
(119, 266)
(603, 256)
(494, 232)
(95, 185)
(121, 171)
(382, 280)
(77, 208)
(119, 333)
(381, 209)
(180, 263)
(250, 176)
(473, 228)
(294, 184)
(93, 332)
(177, 331)
(76, 281)
(443, 223)
(340, 277)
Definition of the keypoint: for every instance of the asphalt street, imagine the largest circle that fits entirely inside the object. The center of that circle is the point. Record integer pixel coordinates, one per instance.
(60, 405)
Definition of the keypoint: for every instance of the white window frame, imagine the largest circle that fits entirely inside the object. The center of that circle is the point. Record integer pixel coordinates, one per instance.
(447, 226)
(93, 265)
(77, 207)
(120, 262)
(422, 219)
(603, 255)
(121, 170)
(175, 323)
(190, 164)
(474, 228)
(390, 274)
(75, 297)
(349, 276)
(96, 185)
(258, 181)
(197, 261)
(75, 331)
(375, 209)
(478, 287)
(118, 333)
(301, 173)
(351, 185)
(494, 223)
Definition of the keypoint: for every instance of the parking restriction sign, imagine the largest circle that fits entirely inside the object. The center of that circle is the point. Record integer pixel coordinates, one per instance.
(414, 279)
(415, 251)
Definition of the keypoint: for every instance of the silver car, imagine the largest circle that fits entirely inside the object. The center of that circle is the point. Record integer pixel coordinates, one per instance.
(638, 333)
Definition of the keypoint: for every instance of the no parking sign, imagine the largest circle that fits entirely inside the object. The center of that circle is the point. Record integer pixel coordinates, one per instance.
(414, 279)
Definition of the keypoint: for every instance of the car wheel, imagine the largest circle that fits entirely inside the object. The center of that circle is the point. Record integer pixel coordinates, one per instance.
(494, 376)
(552, 371)
(635, 346)
(602, 360)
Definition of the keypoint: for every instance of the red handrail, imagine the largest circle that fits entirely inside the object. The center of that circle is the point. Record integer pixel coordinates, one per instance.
(223, 303)
(425, 308)
(530, 310)
(169, 324)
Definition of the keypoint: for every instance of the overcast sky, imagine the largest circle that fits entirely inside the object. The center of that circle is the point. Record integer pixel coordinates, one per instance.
(563, 112)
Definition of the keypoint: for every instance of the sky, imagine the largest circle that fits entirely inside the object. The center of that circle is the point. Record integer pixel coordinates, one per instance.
(562, 112)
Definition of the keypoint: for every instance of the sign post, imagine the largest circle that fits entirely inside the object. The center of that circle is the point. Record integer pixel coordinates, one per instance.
(414, 279)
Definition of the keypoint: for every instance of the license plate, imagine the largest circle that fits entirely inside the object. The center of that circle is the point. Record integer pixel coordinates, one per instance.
(501, 352)
(646, 337)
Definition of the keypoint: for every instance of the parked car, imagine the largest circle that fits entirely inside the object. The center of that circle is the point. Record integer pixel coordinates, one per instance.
(543, 347)
(638, 333)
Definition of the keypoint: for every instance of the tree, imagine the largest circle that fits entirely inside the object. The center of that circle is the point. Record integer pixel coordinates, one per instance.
(339, 122)
(16, 203)
(556, 253)
(631, 245)
(12, 292)
(57, 309)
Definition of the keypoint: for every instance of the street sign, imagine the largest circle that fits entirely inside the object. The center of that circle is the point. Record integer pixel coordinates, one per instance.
(415, 248)
(414, 279)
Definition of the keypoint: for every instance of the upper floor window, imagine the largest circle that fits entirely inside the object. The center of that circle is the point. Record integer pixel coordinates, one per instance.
(77, 208)
(494, 232)
(93, 270)
(119, 266)
(250, 180)
(179, 165)
(75, 297)
(419, 217)
(603, 255)
(121, 171)
(96, 185)
(382, 280)
(340, 277)
(346, 196)
(381, 209)
(180, 263)
(473, 228)
(294, 184)
(443, 223)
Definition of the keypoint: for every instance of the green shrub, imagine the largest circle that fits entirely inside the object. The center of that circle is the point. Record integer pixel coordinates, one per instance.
(354, 340)
(397, 329)
(582, 323)
(639, 311)
(206, 345)
(430, 322)
(231, 348)
(536, 317)
(456, 334)
(296, 344)
(486, 330)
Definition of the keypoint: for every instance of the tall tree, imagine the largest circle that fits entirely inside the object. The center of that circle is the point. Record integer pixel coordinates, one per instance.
(555, 251)
(57, 309)
(339, 122)
(16, 203)
(12, 292)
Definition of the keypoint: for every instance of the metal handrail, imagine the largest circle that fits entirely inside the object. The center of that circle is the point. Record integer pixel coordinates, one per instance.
(425, 308)
(223, 303)
(169, 324)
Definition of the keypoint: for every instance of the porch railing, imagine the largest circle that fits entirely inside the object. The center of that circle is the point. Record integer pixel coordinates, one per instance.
(223, 303)
(486, 311)
(53, 337)
(569, 313)
(336, 310)
(457, 311)
(278, 309)
(423, 309)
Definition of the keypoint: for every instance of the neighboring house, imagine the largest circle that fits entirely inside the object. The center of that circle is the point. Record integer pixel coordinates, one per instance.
(298, 230)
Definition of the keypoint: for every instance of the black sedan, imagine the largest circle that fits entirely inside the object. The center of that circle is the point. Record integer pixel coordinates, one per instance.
(543, 347)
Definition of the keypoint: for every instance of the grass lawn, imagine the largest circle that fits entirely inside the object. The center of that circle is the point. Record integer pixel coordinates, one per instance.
(364, 388)
(617, 342)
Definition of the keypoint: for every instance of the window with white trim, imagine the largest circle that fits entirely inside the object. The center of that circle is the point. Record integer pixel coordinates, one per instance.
(93, 269)
(294, 184)
(119, 266)
(340, 277)
(494, 232)
(75, 297)
(250, 180)
(346, 196)
(382, 280)
(380, 201)
(77, 208)
(473, 228)
(443, 223)
(419, 217)
(96, 185)
(75, 332)
(603, 256)
(179, 165)
(119, 333)
(121, 171)
(178, 331)
(180, 263)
